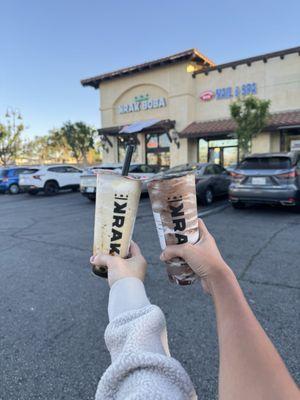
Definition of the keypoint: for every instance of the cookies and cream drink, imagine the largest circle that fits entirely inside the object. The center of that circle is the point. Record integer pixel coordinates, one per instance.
(117, 200)
(174, 206)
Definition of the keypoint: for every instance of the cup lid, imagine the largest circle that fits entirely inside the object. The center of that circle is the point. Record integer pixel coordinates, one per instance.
(170, 175)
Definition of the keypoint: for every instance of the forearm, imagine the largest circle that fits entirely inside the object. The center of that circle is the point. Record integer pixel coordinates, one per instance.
(250, 367)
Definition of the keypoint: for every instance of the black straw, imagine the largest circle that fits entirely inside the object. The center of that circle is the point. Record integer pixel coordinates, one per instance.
(127, 161)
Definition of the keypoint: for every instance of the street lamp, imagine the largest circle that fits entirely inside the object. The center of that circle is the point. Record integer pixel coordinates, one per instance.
(13, 113)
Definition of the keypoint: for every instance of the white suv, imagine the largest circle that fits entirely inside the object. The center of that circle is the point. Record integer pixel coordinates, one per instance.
(50, 179)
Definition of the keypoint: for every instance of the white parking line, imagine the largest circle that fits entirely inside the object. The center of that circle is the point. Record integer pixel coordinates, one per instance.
(213, 210)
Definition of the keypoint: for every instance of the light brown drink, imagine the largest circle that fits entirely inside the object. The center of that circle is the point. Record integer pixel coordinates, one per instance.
(117, 200)
(174, 206)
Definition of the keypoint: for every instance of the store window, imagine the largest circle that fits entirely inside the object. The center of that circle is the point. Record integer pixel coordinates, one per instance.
(202, 150)
(122, 144)
(223, 152)
(158, 149)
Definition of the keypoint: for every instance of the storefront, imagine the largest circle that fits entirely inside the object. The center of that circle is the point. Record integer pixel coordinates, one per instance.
(176, 109)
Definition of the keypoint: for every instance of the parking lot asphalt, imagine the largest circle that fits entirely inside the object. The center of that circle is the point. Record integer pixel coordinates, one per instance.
(53, 311)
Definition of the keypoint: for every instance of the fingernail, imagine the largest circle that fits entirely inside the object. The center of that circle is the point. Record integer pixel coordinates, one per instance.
(162, 257)
(92, 259)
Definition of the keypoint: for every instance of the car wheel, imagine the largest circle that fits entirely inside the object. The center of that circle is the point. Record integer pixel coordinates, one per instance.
(75, 189)
(239, 205)
(51, 188)
(14, 189)
(208, 196)
(92, 198)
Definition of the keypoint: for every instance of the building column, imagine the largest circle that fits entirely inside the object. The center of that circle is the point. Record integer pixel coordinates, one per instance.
(141, 148)
(261, 143)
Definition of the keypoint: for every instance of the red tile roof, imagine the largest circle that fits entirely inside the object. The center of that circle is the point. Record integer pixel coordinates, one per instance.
(223, 126)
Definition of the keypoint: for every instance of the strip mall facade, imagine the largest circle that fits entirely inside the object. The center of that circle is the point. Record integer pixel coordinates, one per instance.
(176, 109)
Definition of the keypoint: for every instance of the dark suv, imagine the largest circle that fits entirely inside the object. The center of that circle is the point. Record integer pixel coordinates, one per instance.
(211, 180)
(271, 178)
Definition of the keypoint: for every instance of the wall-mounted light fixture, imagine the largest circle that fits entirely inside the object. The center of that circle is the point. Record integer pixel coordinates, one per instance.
(175, 137)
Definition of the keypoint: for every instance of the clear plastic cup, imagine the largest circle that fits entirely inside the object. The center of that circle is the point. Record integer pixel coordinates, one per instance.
(174, 205)
(117, 200)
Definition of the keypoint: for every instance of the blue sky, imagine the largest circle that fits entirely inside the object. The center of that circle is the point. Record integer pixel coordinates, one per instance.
(46, 47)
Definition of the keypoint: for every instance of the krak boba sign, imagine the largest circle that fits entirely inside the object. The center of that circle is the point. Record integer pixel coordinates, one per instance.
(142, 103)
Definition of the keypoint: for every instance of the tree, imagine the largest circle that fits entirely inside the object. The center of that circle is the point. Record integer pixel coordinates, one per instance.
(58, 148)
(80, 138)
(10, 137)
(251, 115)
(47, 148)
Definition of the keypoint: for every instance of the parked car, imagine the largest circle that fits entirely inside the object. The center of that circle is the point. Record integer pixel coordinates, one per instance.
(212, 180)
(270, 178)
(142, 171)
(50, 179)
(89, 178)
(231, 167)
(9, 178)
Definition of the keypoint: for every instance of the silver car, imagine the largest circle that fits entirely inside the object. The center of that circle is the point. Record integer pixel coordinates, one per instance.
(89, 178)
(143, 172)
(271, 178)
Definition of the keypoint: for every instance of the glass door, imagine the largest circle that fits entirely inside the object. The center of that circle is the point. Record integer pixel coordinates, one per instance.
(215, 155)
(223, 152)
(230, 156)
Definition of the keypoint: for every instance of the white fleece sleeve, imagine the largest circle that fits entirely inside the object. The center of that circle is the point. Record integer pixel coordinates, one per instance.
(125, 295)
(136, 338)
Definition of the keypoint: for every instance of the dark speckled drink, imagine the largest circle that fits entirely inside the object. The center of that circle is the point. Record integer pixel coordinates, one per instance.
(174, 206)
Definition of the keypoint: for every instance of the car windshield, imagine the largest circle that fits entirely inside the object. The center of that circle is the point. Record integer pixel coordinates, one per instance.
(29, 171)
(183, 167)
(266, 163)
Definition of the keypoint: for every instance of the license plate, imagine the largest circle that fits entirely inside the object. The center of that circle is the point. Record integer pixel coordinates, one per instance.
(259, 181)
(90, 190)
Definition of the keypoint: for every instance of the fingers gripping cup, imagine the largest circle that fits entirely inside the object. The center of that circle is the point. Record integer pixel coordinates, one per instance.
(117, 200)
(174, 206)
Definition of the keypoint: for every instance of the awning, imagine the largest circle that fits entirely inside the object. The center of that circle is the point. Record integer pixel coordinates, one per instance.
(149, 126)
(217, 128)
(139, 126)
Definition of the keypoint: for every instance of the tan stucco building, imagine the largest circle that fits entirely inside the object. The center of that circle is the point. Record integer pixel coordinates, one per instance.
(179, 107)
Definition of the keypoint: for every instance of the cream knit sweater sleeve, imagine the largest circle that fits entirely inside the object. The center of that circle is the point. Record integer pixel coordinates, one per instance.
(136, 337)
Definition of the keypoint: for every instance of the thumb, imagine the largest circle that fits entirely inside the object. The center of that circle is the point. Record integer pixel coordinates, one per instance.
(202, 228)
(101, 260)
(134, 249)
(172, 251)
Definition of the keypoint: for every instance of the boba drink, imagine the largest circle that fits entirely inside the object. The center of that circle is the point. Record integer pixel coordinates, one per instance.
(174, 206)
(117, 199)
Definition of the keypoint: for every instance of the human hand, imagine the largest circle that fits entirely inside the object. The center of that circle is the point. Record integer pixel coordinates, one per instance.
(203, 257)
(118, 268)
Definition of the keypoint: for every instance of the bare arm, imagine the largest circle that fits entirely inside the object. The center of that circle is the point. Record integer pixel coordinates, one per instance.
(250, 366)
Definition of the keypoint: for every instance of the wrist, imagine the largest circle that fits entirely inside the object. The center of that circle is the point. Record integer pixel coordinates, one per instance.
(223, 276)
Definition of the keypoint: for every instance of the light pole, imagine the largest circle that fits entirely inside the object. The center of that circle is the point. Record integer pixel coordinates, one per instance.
(13, 113)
